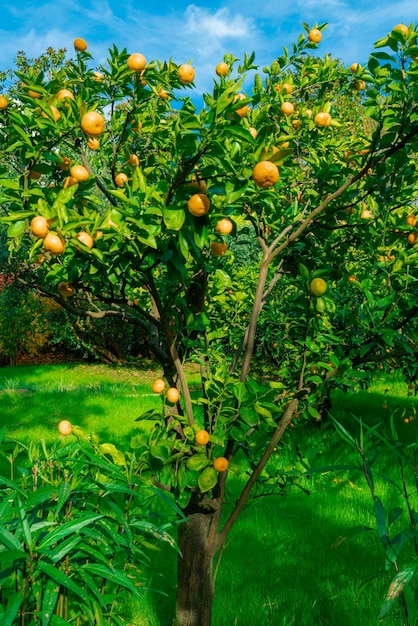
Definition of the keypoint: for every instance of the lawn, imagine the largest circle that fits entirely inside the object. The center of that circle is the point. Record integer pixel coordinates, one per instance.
(290, 560)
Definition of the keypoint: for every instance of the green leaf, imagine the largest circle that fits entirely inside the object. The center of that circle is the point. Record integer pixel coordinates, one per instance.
(396, 587)
(232, 194)
(114, 576)
(160, 452)
(64, 493)
(25, 525)
(66, 529)
(10, 540)
(207, 479)
(261, 410)
(16, 229)
(13, 605)
(173, 218)
(63, 548)
(241, 132)
(9, 183)
(9, 557)
(49, 601)
(155, 531)
(117, 456)
(197, 462)
(239, 390)
(62, 579)
(139, 181)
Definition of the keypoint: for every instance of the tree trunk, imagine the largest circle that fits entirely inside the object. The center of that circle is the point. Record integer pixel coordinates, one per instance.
(195, 591)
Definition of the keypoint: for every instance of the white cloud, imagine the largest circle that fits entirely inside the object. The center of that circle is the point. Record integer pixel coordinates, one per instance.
(209, 31)
(218, 25)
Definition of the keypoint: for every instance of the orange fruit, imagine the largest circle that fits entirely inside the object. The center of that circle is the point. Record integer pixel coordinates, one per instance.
(121, 179)
(401, 28)
(69, 181)
(98, 77)
(315, 35)
(65, 427)
(318, 286)
(65, 93)
(322, 119)
(220, 464)
(80, 44)
(133, 160)
(80, 173)
(222, 69)
(85, 238)
(360, 85)
(164, 94)
(34, 175)
(287, 108)
(366, 214)
(39, 226)
(411, 220)
(265, 174)
(224, 226)
(158, 385)
(242, 111)
(354, 67)
(172, 395)
(66, 289)
(136, 62)
(54, 243)
(3, 102)
(202, 437)
(198, 204)
(413, 238)
(93, 123)
(93, 143)
(185, 74)
(217, 248)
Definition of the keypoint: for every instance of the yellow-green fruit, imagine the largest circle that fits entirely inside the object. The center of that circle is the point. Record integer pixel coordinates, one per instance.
(318, 286)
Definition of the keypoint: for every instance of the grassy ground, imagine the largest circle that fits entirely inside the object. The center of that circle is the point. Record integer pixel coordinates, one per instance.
(289, 560)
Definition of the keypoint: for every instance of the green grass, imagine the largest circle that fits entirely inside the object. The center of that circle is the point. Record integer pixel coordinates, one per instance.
(97, 398)
(289, 560)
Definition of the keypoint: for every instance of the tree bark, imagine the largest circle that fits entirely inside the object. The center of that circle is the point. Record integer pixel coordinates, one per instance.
(195, 590)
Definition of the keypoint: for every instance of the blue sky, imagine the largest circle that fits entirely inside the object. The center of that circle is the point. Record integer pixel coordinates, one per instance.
(199, 32)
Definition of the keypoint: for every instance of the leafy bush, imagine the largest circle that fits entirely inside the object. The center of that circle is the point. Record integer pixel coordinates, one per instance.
(73, 533)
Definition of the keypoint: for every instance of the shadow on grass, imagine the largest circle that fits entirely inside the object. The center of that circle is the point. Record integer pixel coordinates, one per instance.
(281, 566)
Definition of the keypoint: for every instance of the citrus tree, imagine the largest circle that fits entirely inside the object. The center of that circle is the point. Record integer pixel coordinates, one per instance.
(124, 199)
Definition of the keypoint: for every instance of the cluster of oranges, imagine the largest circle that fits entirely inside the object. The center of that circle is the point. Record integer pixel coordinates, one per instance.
(202, 437)
(52, 241)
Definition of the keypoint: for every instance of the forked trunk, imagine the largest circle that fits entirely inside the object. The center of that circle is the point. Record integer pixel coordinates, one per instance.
(195, 591)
